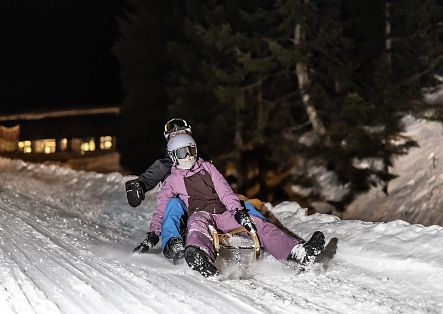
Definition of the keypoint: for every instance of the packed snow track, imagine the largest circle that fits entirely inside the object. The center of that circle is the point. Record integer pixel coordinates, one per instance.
(66, 239)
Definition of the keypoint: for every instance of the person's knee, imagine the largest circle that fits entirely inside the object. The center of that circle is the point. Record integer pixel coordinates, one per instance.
(175, 206)
(174, 201)
(199, 220)
(200, 215)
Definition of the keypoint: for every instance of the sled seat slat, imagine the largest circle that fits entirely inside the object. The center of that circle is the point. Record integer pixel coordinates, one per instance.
(221, 240)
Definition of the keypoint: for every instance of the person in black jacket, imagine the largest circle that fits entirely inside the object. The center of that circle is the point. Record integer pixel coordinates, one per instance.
(173, 247)
(156, 173)
(159, 170)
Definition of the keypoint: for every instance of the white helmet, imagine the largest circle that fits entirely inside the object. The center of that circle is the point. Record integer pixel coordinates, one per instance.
(183, 151)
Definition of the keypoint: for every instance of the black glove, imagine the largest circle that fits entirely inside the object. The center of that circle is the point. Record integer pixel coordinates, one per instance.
(134, 192)
(243, 218)
(148, 243)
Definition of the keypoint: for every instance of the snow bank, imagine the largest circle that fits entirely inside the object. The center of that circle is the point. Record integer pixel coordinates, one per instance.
(416, 195)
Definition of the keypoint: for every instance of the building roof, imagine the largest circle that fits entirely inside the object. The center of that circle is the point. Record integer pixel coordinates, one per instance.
(60, 113)
(66, 123)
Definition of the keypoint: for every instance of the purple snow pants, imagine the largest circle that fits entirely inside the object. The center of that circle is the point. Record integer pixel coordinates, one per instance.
(274, 240)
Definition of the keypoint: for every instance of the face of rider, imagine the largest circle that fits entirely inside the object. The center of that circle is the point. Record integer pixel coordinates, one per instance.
(187, 162)
(183, 151)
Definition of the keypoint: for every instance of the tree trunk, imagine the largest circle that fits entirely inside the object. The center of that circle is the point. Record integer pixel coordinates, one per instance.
(387, 86)
(388, 39)
(262, 115)
(302, 72)
(238, 137)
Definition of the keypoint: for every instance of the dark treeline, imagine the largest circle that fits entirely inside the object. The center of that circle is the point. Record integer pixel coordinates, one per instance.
(288, 96)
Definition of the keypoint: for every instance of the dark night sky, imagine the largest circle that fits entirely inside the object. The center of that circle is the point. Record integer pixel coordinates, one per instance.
(57, 54)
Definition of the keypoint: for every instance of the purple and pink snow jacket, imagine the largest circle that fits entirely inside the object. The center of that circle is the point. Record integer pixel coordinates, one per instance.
(202, 188)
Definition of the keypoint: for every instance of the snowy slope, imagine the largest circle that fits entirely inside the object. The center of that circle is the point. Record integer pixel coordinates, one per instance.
(416, 195)
(66, 238)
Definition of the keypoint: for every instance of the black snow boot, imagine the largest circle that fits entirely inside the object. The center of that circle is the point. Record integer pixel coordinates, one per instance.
(305, 253)
(174, 249)
(199, 261)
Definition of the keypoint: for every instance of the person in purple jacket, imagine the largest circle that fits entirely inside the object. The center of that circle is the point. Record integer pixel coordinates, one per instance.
(210, 201)
(174, 220)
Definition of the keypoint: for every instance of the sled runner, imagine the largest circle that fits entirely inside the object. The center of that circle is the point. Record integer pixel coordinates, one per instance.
(222, 240)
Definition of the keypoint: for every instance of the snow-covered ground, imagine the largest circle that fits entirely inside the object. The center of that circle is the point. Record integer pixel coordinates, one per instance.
(416, 195)
(66, 238)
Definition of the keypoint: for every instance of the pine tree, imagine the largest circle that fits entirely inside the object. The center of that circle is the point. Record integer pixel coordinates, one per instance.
(398, 39)
(284, 88)
(145, 33)
(191, 84)
(253, 75)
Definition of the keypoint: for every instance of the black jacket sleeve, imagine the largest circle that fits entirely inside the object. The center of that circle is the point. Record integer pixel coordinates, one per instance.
(158, 171)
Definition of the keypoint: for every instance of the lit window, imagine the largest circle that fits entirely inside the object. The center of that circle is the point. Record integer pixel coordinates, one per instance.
(88, 145)
(25, 146)
(84, 147)
(105, 142)
(46, 146)
(63, 144)
(92, 145)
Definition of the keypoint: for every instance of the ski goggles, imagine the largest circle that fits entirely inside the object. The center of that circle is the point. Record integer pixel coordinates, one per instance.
(183, 152)
(176, 124)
